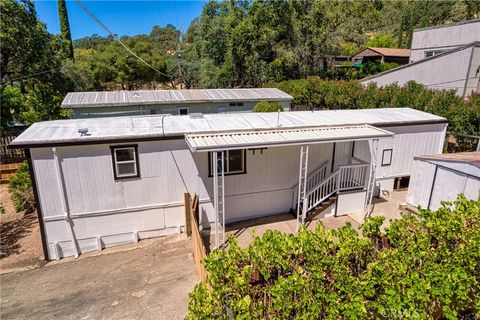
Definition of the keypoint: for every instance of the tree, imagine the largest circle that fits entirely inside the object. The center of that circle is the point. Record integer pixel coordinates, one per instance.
(30, 64)
(65, 28)
(265, 106)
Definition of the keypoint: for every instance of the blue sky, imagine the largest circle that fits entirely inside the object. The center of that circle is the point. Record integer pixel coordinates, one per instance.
(122, 17)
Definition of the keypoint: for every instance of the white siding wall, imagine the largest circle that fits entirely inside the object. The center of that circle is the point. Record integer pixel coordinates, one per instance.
(443, 38)
(436, 181)
(420, 183)
(443, 72)
(408, 142)
(113, 212)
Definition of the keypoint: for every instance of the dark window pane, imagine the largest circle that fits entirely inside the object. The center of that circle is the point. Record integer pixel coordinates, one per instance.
(126, 169)
(124, 154)
(235, 161)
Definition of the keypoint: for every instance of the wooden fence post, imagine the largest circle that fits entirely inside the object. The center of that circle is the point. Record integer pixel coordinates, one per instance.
(188, 213)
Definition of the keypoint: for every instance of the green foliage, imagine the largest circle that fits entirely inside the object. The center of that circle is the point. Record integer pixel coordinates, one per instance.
(265, 106)
(20, 188)
(382, 41)
(422, 267)
(2, 209)
(249, 43)
(314, 93)
(30, 63)
(65, 27)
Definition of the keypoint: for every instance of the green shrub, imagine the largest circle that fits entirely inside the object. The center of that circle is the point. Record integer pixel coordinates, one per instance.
(315, 93)
(20, 188)
(421, 267)
(265, 106)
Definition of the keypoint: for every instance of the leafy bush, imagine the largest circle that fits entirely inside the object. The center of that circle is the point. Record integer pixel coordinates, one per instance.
(421, 267)
(463, 115)
(20, 188)
(265, 106)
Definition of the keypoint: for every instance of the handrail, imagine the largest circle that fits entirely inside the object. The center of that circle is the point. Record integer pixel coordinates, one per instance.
(346, 177)
(314, 174)
(313, 179)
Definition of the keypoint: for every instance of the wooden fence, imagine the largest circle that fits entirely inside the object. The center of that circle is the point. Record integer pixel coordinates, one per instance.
(192, 229)
(10, 155)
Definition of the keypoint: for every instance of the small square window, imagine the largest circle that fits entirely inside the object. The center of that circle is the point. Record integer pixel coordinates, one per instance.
(387, 157)
(125, 162)
(183, 111)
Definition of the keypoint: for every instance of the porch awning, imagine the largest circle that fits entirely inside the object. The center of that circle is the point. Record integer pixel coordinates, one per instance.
(218, 141)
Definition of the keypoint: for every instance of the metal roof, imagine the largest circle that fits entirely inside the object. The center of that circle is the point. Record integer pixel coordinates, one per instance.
(162, 126)
(464, 157)
(280, 137)
(149, 97)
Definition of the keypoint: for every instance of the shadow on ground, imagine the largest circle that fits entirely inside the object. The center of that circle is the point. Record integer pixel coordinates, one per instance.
(11, 232)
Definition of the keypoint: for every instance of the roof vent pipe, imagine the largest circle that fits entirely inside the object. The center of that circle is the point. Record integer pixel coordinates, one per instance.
(83, 132)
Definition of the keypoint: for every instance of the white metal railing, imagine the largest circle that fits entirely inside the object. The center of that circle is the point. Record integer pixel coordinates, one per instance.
(347, 177)
(313, 179)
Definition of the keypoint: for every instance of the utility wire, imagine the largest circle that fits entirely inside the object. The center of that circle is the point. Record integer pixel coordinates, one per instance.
(115, 37)
(30, 75)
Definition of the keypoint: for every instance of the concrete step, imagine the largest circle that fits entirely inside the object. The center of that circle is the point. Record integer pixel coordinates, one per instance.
(322, 207)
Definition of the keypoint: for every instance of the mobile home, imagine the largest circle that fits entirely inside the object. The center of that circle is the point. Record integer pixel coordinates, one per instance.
(101, 182)
(174, 102)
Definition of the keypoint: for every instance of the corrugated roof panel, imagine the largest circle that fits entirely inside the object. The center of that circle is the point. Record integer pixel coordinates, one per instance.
(202, 142)
(131, 127)
(122, 98)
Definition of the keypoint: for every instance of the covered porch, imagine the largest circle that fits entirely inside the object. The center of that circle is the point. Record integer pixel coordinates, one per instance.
(319, 185)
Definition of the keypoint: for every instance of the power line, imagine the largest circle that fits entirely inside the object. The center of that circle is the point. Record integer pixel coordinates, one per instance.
(445, 82)
(115, 37)
(30, 75)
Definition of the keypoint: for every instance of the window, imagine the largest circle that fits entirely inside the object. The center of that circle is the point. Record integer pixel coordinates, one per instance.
(433, 53)
(222, 109)
(125, 162)
(387, 157)
(234, 162)
(183, 111)
(236, 104)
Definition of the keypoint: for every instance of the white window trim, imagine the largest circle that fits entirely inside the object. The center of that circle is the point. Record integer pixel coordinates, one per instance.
(227, 170)
(116, 163)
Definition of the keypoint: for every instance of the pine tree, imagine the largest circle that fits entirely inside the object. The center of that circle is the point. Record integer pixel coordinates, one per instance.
(65, 27)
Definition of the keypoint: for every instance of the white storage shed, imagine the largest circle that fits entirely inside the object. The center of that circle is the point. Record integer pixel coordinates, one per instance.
(101, 182)
(441, 177)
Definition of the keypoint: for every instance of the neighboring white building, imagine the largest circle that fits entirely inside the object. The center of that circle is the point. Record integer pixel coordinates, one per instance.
(441, 177)
(174, 102)
(442, 57)
(107, 181)
(431, 41)
(457, 69)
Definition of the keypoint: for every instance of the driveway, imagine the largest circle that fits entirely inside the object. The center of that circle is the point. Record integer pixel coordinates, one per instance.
(148, 280)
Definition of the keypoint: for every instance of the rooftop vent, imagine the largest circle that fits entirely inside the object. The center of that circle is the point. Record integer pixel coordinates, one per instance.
(196, 115)
(83, 132)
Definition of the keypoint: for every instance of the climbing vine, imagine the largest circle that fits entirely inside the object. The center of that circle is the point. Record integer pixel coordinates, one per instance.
(420, 267)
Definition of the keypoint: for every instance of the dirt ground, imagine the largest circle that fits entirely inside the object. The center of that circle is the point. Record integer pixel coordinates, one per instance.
(148, 280)
(20, 242)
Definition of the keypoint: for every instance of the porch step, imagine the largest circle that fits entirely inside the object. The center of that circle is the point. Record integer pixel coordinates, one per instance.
(322, 207)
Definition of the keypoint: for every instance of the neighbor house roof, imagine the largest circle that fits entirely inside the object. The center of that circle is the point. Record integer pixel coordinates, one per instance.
(103, 130)
(149, 97)
(464, 157)
(388, 52)
(454, 24)
(392, 52)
